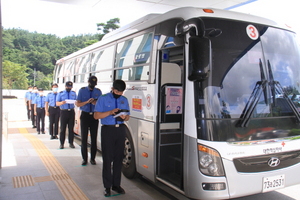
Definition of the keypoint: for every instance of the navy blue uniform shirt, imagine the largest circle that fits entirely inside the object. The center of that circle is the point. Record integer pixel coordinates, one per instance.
(85, 94)
(40, 101)
(33, 96)
(51, 99)
(63, 95)
(107, 102)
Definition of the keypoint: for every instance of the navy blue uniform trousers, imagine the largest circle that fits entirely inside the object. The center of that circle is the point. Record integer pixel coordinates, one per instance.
(112, 143)
(88, 122)
(67, 118)
(54, 113)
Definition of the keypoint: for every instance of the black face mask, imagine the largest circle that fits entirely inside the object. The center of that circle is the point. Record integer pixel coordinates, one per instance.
(116, 95)
(68, 89)
(92, 86)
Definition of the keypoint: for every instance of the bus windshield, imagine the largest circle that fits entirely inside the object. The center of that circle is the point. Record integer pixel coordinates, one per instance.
(253, 91)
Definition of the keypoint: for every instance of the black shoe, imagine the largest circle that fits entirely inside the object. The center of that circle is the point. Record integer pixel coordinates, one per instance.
(84, 162)
(52, 137)
(118, 189)
(43, 132)
(55, 137)
(33, 126)
(107, 192)
(61, 146)
(38, 133)
(72, 146)
(93, 162)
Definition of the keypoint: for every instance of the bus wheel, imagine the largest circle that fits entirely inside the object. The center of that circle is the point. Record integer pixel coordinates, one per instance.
(129, 167)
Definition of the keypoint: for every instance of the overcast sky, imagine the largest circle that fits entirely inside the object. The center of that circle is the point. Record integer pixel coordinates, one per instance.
(65, 20)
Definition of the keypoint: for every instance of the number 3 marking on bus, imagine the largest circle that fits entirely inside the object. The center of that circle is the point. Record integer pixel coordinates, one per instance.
(252, 32)
(148, 104)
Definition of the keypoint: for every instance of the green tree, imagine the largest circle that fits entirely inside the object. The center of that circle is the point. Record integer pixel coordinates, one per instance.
(14, 75)
(107, 27)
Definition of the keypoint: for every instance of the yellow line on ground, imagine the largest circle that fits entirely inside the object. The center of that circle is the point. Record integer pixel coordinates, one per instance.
(64, 182)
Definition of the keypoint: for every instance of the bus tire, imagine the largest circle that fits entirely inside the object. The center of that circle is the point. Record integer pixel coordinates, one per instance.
(129, 164)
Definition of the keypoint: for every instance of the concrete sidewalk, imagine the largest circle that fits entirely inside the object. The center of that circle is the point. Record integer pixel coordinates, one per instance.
(33, 167)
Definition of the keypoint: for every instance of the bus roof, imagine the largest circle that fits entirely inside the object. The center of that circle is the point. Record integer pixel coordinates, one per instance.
(184, 13)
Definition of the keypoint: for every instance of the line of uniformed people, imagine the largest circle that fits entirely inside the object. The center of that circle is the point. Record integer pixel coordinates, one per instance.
(93, 106)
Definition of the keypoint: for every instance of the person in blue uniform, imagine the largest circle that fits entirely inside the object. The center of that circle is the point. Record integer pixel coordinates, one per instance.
(27, 101)
(113, 132)
(39, 111)
(31, 102)
(86, 100)
(53, 111)
(67, 114)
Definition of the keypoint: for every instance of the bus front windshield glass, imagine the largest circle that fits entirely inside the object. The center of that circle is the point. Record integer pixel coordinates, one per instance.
(253, 91)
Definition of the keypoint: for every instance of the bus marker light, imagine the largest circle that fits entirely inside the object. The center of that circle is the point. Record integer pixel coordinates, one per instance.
(208, 10)
(145, 166)
(145, 155)
(213, 186)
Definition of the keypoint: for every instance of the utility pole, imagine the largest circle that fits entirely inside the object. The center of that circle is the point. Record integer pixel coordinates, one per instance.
(34, 77)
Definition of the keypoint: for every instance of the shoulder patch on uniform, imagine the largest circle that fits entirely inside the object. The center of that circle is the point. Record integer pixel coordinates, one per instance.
(82, 88)
(61, 91)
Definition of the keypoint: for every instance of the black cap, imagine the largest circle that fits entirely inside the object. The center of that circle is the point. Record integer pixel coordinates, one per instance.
(119, 85)
(69, 84)
(40, 89)
(93, 80)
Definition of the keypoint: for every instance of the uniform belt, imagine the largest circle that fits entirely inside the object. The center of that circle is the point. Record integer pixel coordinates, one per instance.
(53, 106)
(67, 109)
(90, 113)
(41, 107)
(114, 125)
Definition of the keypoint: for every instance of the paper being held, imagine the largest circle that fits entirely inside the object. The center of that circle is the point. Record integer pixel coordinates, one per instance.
(121, 113)
(70, 101)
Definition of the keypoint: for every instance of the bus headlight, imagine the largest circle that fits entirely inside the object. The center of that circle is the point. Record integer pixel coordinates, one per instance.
(210, 161)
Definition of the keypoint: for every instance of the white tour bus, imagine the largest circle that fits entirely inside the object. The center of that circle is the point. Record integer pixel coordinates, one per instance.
(213, 98)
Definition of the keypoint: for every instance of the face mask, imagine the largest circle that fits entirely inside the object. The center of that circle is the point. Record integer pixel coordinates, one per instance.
(35, 91)
(68, 89)
(92, 86)
(54, 89)
(116, 95)
(30, 90)
(41, 94)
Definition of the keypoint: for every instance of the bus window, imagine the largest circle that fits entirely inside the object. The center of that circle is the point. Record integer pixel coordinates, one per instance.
(134, 51)
(103, 59)
(69, 71)
(139, 73)
(104, 76)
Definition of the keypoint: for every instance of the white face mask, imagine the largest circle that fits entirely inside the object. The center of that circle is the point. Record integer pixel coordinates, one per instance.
(41, 94)
(54, 89)
(35, 91)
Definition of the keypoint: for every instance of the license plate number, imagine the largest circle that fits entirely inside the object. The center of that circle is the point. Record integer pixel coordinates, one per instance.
(273, 183)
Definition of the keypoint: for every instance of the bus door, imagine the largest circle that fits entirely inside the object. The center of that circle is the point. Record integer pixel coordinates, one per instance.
(169, 168)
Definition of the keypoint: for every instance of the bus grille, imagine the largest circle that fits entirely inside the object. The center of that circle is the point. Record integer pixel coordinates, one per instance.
(265, 162)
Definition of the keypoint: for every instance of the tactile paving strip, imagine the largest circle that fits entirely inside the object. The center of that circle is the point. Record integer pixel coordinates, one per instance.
(23, 181)
(66, 185)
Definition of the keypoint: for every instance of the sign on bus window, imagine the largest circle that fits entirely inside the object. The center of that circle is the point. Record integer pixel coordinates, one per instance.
(173, 100)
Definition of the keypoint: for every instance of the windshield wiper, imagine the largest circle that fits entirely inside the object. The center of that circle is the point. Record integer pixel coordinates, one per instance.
(277, 88)
(253, 99)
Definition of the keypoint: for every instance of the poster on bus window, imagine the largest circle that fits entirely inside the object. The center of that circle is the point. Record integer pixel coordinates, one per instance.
(173, 100)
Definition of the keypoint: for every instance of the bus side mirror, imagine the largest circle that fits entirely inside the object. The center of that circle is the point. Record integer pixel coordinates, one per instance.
(199, 58)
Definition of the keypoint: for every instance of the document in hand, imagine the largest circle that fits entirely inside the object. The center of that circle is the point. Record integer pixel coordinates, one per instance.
(70, 101)
(121, 113)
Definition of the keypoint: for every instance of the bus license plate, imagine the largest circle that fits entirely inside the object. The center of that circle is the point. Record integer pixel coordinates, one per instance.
(273, 183)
